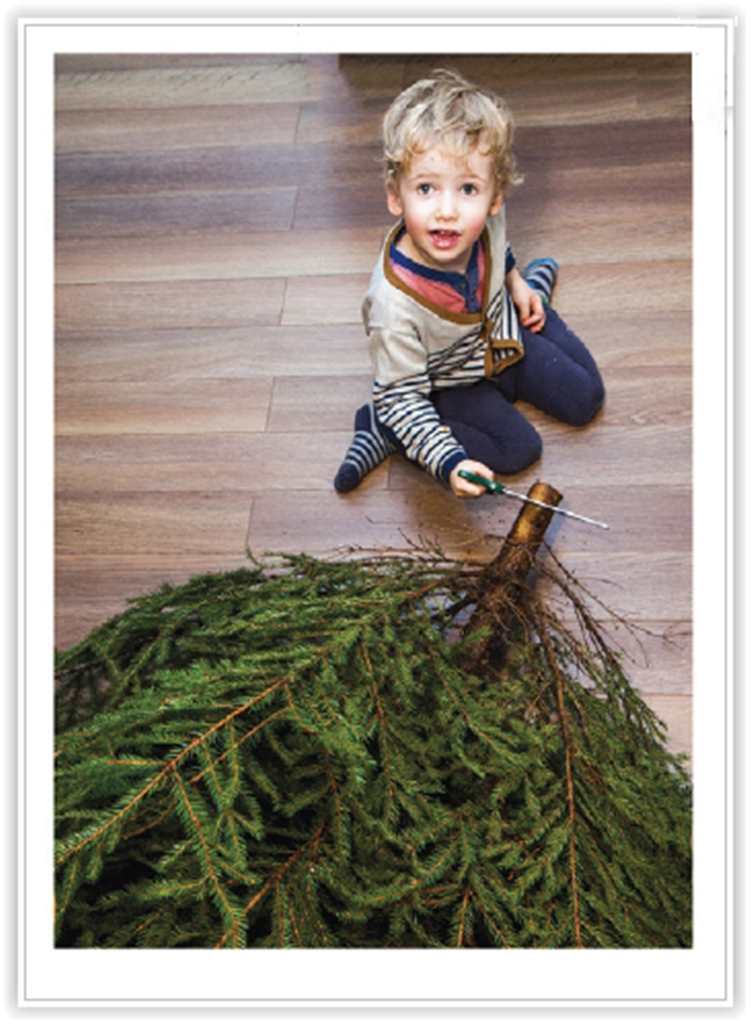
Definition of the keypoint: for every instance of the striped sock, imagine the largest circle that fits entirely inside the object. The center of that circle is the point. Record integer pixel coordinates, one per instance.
(368, 449)
(541, 276)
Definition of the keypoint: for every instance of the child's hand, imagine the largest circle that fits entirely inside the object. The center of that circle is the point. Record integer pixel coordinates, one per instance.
(528, 304)
(463, 488)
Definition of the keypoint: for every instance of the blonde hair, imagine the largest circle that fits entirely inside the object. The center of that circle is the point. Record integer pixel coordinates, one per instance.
(448, 110)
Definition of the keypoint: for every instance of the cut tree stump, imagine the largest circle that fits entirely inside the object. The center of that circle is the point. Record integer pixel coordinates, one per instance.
(502, 582)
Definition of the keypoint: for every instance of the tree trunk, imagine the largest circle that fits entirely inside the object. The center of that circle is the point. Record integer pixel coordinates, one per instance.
(503, 581)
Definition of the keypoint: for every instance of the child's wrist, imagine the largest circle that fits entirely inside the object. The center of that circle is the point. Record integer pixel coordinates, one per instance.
(450, 464)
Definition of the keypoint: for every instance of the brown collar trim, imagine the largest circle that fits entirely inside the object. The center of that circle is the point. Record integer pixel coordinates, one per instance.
(457, 318)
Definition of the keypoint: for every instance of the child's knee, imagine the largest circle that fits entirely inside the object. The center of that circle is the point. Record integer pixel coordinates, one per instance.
(530, 453)
(586, 403)
(521, 453)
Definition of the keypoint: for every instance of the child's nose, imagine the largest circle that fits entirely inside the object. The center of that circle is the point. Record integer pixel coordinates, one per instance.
(447, 204)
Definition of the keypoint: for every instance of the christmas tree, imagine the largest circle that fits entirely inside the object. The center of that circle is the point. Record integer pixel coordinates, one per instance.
(394, 751)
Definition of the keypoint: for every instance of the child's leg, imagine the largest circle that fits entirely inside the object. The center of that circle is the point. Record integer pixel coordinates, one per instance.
(368, 449)
(557, 375)
(480, 417)
(557, 331)
(488, 427)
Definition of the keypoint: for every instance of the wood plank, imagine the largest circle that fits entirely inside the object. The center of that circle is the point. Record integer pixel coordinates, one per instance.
(78, 63)
(89, 589)
(133, 130)
(666, 96)
(643, 396)
(188, 217)
(218, 257)
(255, 463)
(168, 304)
(360, 205)
(161, 407)
(200, 169)
(319, 404)
(658, 660)
(623, 343)
(89, 594)
(495, 70)
(164, 81)
(533, 101)
(362, 75)
(591, 102)
(676, 713)
(667, 241)
(598, 147)
(655, 587)
(334, 299)
(73, 622)
(179, 355)
(324, 522)
(345, 118)
(206, 522)
(662, 184)
(272, 82)
(637, 287)
(87, 580)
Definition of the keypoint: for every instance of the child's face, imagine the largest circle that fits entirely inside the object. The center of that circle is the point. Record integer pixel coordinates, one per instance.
(445, 200)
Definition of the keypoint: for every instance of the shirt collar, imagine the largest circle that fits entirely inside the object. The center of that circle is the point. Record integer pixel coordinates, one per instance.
(465, 284)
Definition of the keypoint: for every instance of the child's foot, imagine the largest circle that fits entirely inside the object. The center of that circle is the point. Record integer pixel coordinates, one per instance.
(368, 449)
(541, 275)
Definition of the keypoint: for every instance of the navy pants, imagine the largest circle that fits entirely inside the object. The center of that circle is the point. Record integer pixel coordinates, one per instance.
(557, 375)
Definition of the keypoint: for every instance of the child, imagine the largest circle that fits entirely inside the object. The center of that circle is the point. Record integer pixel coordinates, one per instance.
(457, 333)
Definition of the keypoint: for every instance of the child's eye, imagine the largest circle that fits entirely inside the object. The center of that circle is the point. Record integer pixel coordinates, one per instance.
(469, 189)
(423, 188)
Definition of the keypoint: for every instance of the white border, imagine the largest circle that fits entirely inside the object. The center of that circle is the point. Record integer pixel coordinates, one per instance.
(633, 978)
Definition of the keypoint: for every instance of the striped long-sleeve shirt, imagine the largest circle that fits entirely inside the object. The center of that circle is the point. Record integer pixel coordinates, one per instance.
(418, 347)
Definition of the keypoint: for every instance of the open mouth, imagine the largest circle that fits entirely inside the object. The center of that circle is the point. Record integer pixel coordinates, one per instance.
(444, 239)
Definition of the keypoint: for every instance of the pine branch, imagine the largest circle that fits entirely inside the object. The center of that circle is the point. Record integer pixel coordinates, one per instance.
(196, 818)
(338, 772)
(568, 748)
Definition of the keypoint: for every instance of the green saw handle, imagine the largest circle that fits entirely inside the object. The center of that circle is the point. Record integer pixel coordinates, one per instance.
(475, 478)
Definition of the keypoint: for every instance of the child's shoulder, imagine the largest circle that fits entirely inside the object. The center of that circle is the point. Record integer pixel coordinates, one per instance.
(496, 225)
(384, 288)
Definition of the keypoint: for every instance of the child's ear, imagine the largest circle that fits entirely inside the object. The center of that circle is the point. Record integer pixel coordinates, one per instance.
(393, 201)
(497, 203)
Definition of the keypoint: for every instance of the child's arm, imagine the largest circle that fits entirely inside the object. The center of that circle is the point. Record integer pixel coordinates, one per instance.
(401, 398)
(403, 405)
(528, 302)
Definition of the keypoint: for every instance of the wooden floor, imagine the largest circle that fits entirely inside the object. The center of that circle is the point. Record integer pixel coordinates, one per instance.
(217, 219)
